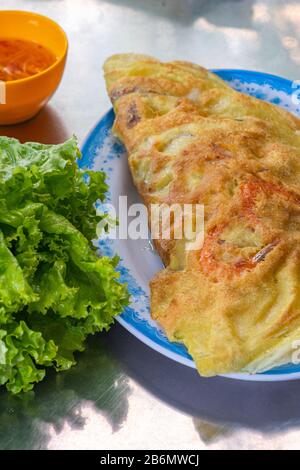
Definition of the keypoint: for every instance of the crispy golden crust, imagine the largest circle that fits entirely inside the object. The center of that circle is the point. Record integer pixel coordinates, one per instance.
(235, 303)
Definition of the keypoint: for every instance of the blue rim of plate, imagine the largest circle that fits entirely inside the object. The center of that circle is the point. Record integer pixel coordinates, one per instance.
(265, 86)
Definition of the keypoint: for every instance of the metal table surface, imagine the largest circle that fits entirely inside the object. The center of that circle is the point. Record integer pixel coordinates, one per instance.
(123, 395)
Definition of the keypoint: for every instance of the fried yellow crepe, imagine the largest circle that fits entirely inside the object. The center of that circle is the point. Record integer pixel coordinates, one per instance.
(234, 303)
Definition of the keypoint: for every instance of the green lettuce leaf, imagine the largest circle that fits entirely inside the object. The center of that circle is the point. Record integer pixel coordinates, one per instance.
(54, 288)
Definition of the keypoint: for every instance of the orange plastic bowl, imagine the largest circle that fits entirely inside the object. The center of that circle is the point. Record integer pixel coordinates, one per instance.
(22, 99)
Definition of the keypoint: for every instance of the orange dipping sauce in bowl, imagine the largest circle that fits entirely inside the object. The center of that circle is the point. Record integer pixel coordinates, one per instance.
(21, 58)
(33, 52)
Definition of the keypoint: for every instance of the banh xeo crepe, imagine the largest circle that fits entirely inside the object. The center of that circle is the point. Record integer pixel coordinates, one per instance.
(234, 302)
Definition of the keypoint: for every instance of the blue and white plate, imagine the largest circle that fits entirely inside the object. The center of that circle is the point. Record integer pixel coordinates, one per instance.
(139, 263)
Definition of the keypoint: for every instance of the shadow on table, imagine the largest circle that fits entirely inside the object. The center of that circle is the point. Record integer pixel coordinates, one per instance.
(262, 406)
(46, 127)
(26, 422)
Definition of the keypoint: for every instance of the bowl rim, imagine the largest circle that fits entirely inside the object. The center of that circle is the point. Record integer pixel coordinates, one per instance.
(27, 13)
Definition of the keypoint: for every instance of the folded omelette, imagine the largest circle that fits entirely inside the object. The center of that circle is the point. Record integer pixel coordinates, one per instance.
(235, 301)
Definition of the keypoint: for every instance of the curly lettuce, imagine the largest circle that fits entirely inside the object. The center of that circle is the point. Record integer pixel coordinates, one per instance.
(55, 289)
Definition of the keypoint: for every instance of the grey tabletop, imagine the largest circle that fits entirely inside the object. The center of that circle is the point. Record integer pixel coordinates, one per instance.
(123, 395)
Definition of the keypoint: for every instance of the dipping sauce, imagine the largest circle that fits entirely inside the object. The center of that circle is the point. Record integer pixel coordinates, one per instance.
(21, 59)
